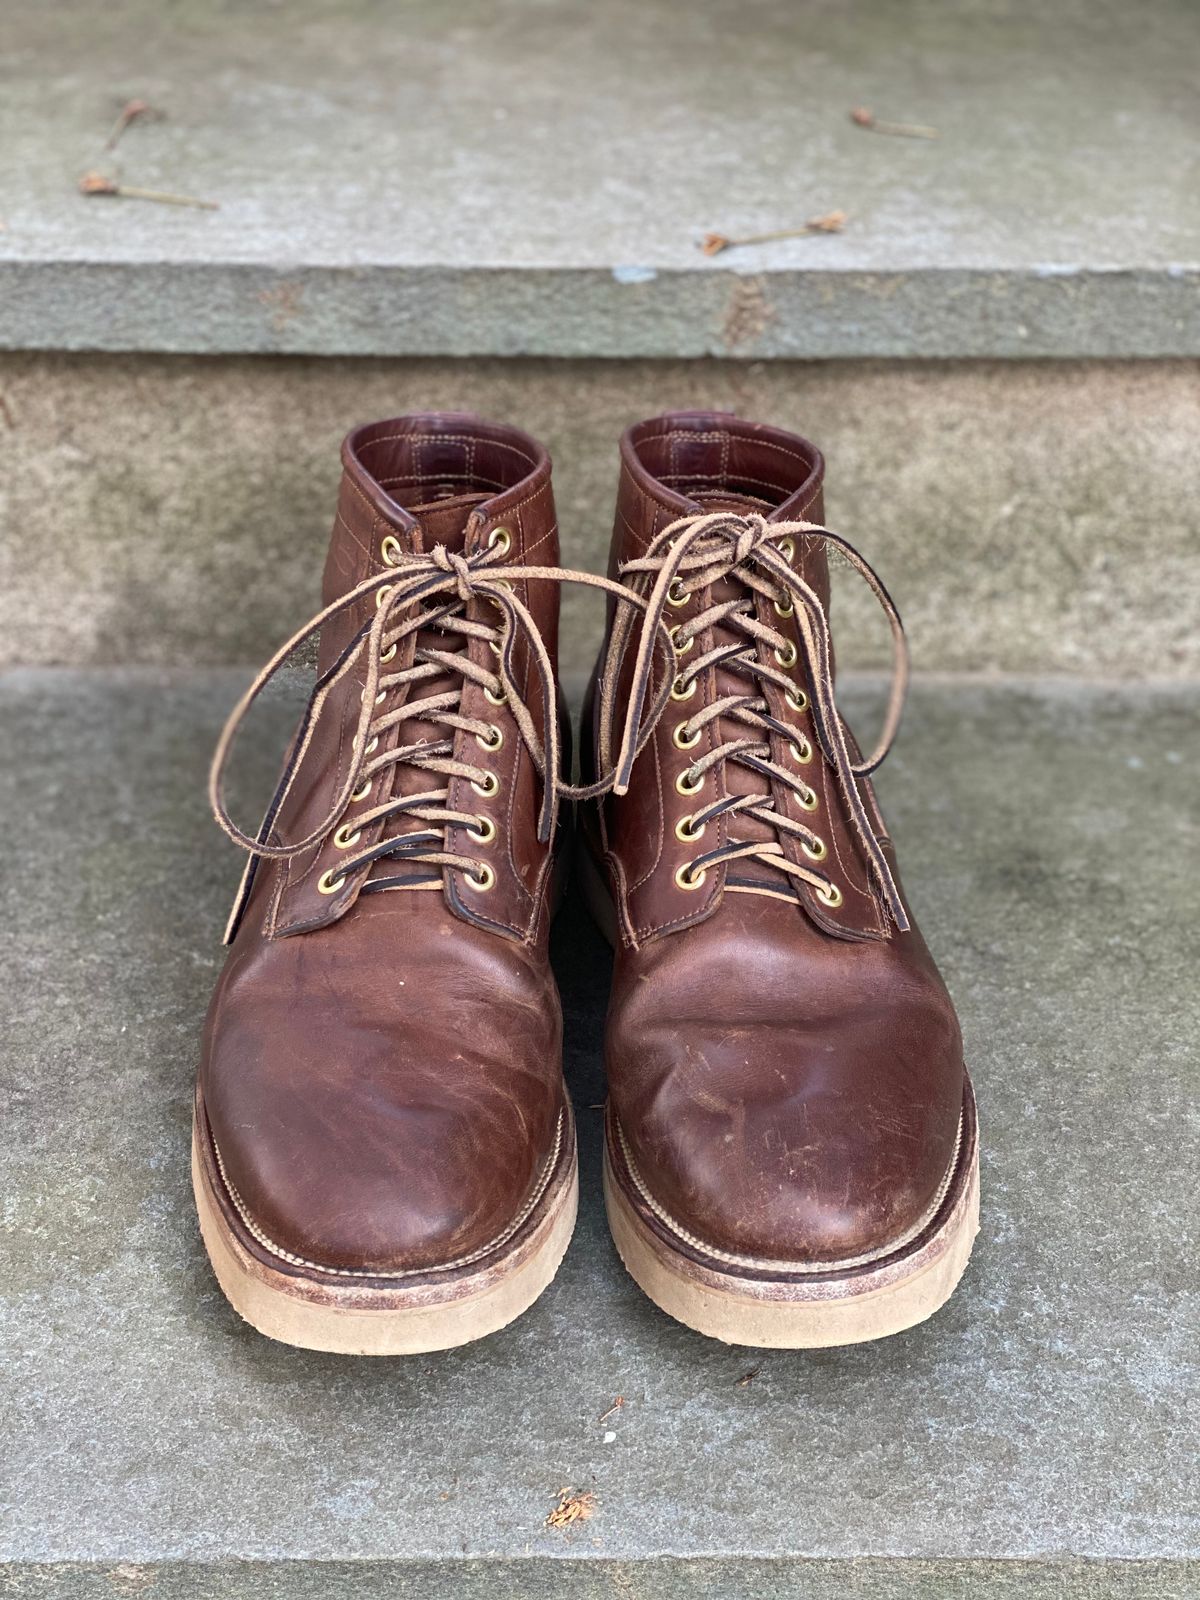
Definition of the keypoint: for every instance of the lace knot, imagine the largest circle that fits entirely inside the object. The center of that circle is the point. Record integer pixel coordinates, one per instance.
(456, 566)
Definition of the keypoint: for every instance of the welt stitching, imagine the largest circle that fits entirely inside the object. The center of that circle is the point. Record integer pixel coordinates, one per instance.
(765, 1264)
(539, 1189)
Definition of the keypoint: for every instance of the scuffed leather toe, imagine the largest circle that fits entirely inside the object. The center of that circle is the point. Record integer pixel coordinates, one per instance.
(801, 1118)
(360, 1135)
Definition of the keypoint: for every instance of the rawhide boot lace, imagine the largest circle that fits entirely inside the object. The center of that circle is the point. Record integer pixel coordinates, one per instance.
(737, 558)
(415, 650)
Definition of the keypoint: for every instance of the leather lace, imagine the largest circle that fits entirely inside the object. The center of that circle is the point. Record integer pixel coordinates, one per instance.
(418, 599)
(692, 555)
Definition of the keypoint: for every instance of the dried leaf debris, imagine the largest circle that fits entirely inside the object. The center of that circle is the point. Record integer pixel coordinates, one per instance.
(572, 1508)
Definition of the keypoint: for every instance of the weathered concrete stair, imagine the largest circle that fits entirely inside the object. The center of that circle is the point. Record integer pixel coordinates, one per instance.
(998, 356)
(531, 178)
(1036, 1439)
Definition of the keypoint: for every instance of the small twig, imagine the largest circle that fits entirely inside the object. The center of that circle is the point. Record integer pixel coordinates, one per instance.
(898, 130)
(130, 112)
(96, 183)
(747, 1378)
(832, 222)
(613, 1409)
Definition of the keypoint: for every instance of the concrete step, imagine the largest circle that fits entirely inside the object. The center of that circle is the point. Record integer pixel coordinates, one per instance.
(534, 176)
(1028, 516)
(1035, 1439)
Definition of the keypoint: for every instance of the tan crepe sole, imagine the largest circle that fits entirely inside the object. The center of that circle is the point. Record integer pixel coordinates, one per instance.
(800, 1310)
(353, 1315)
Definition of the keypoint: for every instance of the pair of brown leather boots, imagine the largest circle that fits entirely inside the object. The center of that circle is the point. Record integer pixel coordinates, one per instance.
(384, 1151)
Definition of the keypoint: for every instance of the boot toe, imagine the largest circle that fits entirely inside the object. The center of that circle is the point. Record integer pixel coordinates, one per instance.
(791, 1140)
(362, 1138)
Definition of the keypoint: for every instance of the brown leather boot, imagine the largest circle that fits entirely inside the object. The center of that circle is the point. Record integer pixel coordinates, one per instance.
(791, 1152)
(384, 1155)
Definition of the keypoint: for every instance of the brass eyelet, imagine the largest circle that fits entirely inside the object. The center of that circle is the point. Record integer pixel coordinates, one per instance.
(489, 787)
(809, 800)
(345, 838)
(328, 884)
(787, 656)
(386, 655)
(500, 539)
(686, 833)
(379, 698)
(371, 748)
(796, 698)
(382, 593)
(495, 699)
(678, 693)
(682, 785)
(831, 897)
(677, 595)
(483, 880)
(485, 832)
(687, 879)
(360, 795)
(815, 852)
(683, 740)
(787, 549)
(494, 741)
(391, 550)
(495, 649)
(680, 649)
(785, 610)
(801, 751)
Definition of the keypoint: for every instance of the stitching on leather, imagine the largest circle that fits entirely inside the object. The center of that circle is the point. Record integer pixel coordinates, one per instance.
(406, 1272)
(514, 511)
(652, 750)
(442, 477)
(721, 479)
(521, 928)
(469, 439)
(340, 522)
(286, 881)
(764, 1264)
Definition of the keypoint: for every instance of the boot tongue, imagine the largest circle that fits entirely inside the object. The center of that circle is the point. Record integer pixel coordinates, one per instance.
(442, 520)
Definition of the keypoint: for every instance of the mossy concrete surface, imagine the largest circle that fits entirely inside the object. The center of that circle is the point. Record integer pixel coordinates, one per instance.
(1027, 517)
(1035, 1439)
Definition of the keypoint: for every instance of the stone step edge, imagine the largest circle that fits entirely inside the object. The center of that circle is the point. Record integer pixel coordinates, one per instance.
(227, 307)
(598, 1577)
